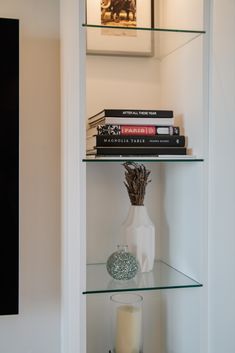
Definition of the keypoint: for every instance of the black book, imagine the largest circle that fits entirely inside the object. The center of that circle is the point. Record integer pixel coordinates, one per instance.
(138, 141)
(140, 151)
(131, 113)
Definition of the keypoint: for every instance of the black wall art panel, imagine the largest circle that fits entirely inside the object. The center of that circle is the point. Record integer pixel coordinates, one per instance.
(9, 166)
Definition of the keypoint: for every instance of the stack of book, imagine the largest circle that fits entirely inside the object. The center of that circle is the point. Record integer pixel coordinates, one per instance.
(118, 132)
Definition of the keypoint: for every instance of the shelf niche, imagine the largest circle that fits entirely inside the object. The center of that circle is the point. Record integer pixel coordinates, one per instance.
(176, 196)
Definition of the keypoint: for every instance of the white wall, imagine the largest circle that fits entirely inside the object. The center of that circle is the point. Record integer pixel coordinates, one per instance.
(37, 327)
(222, 181)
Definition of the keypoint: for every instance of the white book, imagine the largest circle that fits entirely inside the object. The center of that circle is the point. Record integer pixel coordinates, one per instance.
(133, 121)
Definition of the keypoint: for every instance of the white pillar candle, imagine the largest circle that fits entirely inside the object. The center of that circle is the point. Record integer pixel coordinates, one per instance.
(128, 329)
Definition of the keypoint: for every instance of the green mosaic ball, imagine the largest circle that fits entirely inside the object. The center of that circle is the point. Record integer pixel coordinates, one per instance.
(122, 265)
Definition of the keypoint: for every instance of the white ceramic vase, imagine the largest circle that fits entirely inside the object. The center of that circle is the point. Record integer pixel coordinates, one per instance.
(139, 234)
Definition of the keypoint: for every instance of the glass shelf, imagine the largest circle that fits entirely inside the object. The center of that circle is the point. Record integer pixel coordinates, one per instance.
(163, 41)
(163, 276)
(151, 29)
(142, 159)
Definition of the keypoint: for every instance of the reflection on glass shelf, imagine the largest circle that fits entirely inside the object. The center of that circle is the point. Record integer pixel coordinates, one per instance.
(163, 159)
(162, 41)
(163, 276)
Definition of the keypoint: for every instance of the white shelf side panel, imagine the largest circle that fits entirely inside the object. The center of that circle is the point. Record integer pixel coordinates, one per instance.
(184, 236)
(183, 233)
(182, 90)
(73, 315)
(184, 203)
(179, 313)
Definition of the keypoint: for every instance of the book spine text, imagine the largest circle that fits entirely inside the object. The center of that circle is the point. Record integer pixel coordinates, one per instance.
(139, 141)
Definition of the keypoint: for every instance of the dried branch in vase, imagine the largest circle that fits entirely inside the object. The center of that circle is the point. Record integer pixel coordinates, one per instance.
(136, 176)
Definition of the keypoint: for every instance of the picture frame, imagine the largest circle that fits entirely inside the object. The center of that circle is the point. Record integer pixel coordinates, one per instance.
(113, 27)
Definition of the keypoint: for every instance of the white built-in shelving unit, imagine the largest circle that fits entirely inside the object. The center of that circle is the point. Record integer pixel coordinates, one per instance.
(95, 202)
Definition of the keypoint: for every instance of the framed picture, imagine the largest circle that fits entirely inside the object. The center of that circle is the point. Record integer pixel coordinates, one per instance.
(112, 27)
